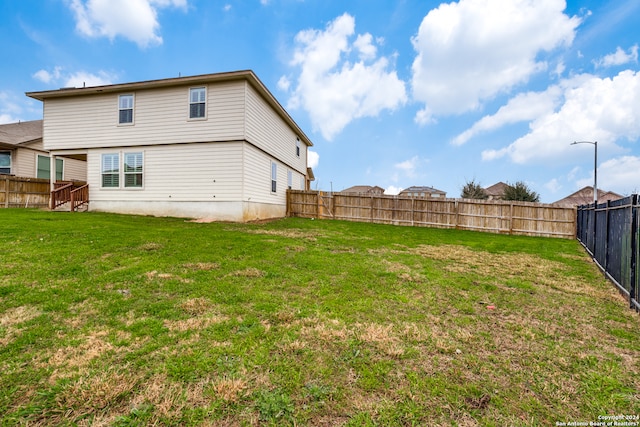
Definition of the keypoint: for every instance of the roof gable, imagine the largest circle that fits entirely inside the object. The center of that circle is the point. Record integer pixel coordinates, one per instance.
(496, 189)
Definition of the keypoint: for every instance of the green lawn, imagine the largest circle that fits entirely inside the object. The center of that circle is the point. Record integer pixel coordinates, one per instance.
(126, 320)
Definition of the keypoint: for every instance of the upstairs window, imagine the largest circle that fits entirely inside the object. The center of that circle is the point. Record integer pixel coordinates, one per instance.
(197, 102)
(125, 109)
(133, 170)
(298, 147)
(5, 162)
(110, 170)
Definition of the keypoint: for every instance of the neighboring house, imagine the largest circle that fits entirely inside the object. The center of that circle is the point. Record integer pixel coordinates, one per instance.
(22, 154)
(365, 189)
(496, 191)
(584, 196)
(216, 146)
(417, 191)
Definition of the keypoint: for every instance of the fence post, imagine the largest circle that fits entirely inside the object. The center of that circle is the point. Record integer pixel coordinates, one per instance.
(634, 249)
(6, 191)
(371, 208)
(606, 234)
(595, 226)
(511, 219)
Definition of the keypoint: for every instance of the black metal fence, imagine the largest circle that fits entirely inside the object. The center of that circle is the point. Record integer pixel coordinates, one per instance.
(610, 232)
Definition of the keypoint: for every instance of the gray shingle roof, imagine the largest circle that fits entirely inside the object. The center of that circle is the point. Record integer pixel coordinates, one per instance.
(21, 132)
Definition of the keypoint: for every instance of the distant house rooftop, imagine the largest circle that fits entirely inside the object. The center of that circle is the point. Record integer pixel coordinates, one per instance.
(584, 196)
(364, 189)
(422, 191)
(496, 191)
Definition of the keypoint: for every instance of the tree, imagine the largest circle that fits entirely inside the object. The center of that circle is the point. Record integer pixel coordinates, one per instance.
(473, 190)
(520, 192)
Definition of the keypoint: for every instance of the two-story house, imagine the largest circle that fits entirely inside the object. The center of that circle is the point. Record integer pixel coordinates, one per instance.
(216, 146)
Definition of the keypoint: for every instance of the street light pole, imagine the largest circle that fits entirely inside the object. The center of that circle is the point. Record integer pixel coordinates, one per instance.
(595, 168)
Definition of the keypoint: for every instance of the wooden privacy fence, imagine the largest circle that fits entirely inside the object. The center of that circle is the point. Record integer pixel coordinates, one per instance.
(18, 192)
(521, 218)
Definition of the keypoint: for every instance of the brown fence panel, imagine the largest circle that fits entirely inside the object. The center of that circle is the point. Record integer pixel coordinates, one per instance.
(303, 204)
(548, 221)
(479, 215)
(17, 192)
(522, 218)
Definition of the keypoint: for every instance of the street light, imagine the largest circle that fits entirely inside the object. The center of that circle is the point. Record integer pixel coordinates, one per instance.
(595, 168)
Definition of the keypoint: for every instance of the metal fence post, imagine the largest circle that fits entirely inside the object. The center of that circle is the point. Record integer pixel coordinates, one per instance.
(633, 286)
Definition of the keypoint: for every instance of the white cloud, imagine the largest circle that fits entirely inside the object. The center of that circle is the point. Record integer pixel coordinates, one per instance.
(522, 107)
(364, 44)
(621, 175)
(333, 89)
(619, 57)
(226, 7)
(313, 159)
(284, 84)
(47, 77)
(472, 50)
(135, 20)
(553, 185)
(393, 190)
(82, 78)
(411, 167)
(6, 118)
(601, 109)
(11, 109)
(77, 79)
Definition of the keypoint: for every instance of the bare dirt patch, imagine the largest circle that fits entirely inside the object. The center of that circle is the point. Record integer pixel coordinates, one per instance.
(290, 233)
(17, 315)
(248, 272)
(230, 389)
(13, 317)
(194, 323)
(202, 266)
(151, 275)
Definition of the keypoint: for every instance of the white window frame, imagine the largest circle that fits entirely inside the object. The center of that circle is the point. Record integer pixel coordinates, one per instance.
(8, 152)
(198, 101)
(289, 180)
(126, 107)
(111, 172)
(298, 147)
(274, 177)
(127, 173)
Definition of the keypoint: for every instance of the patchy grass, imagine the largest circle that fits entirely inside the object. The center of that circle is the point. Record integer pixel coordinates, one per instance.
(118, 320)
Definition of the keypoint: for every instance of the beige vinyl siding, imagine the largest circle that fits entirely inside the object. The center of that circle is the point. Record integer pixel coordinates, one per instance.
(267, 130)
(25, 161)
(257, 174)
(173, 173)
(75, 169)
(161, 116)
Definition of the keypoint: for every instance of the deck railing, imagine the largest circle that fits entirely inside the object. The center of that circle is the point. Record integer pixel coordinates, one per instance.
(79, 197)
(68, 192)
(61, 193)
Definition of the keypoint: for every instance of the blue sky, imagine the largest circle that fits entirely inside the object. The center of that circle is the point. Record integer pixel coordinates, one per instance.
(392, 93)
